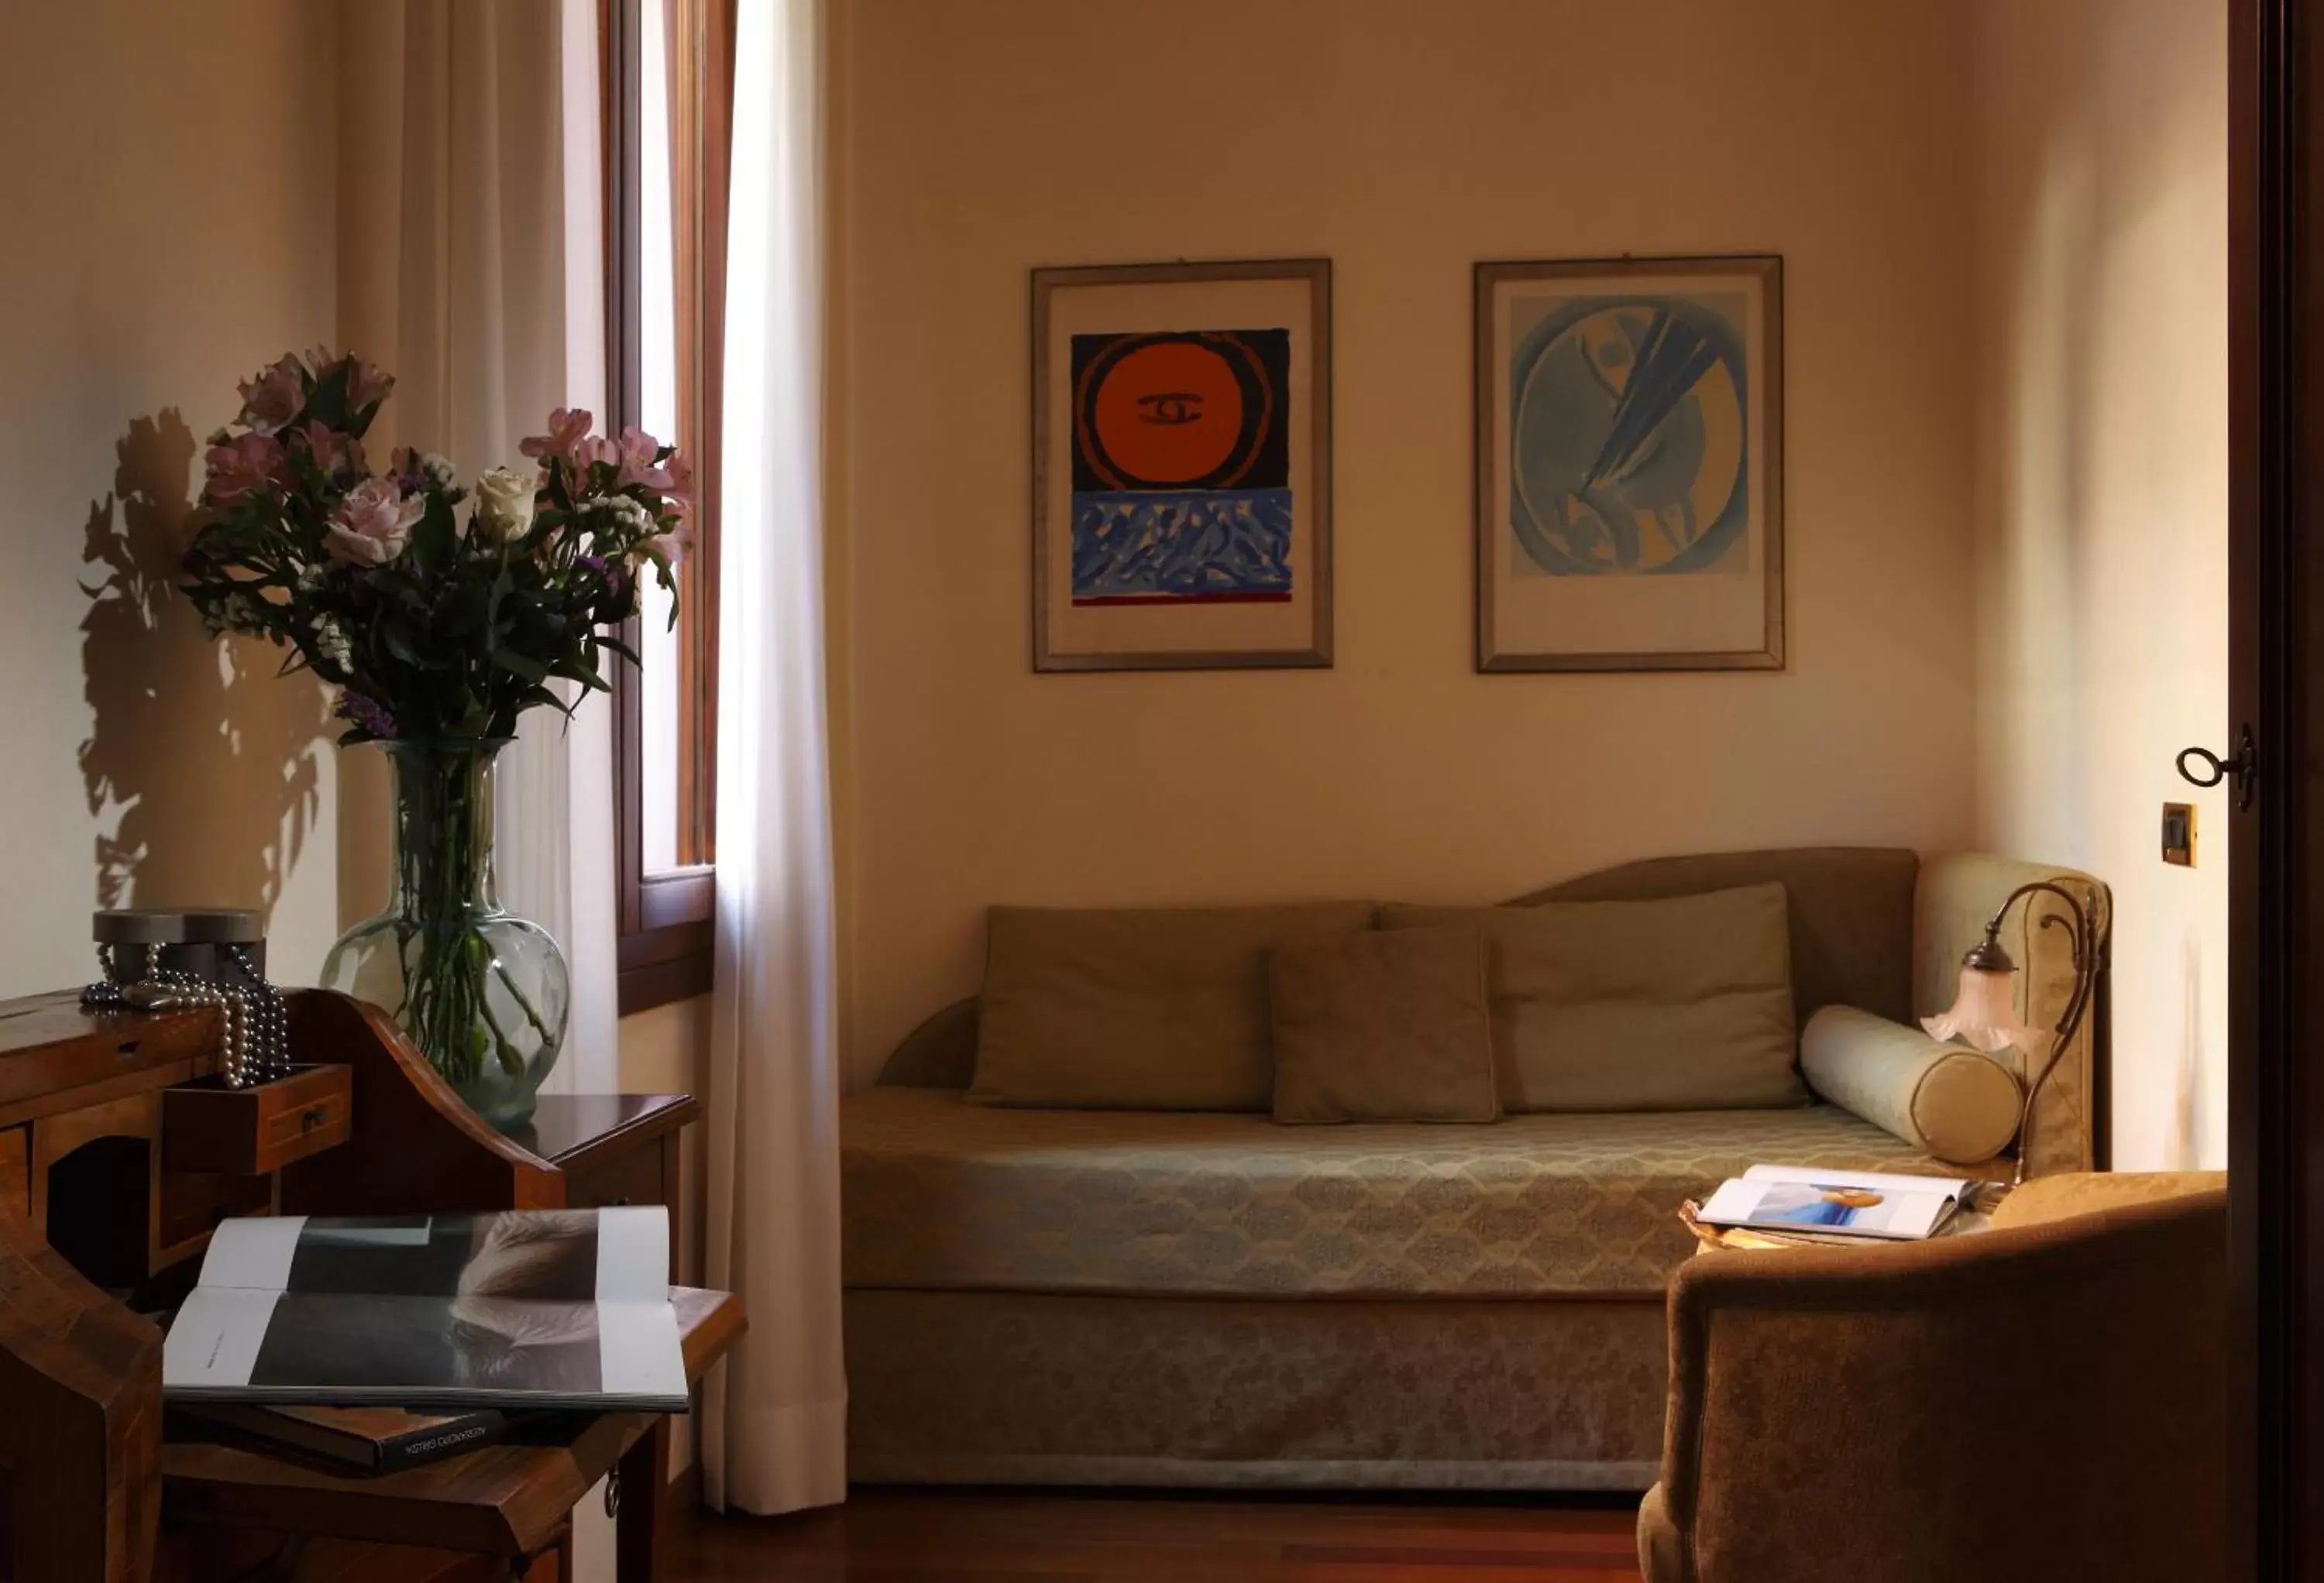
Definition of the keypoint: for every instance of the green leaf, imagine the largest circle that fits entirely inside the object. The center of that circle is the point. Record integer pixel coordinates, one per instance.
(522, 665)
(328, 402)
(399, 643)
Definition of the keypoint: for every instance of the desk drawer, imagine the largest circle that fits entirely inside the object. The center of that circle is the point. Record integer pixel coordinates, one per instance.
(207, 1126)
(635, 1176)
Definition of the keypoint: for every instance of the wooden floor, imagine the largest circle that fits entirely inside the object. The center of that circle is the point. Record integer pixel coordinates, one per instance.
(912, 1536)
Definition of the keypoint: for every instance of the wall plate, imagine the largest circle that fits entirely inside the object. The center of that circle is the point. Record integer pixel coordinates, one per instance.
(2179, 834)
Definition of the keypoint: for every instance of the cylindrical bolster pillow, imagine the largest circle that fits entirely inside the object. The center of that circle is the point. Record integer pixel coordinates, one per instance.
(1958, 1104)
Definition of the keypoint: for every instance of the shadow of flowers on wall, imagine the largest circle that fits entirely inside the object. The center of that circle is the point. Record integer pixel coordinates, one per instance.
(203, 766)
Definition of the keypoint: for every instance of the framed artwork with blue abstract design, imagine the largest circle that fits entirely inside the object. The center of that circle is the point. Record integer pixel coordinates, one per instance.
(1629, 464)
(1182, 465)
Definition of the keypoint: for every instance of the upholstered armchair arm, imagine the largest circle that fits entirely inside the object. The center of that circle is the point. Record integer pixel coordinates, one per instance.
(1953, 897)
(2046, 1402)
(939, 1053)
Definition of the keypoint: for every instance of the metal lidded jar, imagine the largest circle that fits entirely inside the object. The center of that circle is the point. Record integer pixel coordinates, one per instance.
(133, 942)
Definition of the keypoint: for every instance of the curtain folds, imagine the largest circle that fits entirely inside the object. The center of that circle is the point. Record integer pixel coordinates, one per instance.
(775, 1417)
(469, 248)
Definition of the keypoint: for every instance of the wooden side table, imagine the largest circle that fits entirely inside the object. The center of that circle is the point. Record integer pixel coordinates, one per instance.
(498, 1512)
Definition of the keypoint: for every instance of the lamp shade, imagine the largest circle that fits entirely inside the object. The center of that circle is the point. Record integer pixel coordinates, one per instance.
(1984, 1015)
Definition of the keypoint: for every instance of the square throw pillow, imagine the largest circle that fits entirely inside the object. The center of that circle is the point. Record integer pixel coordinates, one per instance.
(1683, 1004)
(1136, 1010)
(1383, 1028)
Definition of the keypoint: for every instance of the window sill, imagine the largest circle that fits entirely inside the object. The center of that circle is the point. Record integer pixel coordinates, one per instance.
(667, 955)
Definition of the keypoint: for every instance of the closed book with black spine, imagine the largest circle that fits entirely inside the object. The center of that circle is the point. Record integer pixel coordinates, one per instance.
(373, 1440)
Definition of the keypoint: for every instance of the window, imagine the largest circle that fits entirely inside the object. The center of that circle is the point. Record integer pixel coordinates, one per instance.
(669, 73)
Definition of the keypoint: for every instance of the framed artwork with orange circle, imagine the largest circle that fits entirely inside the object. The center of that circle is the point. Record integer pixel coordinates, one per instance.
(1182, 465)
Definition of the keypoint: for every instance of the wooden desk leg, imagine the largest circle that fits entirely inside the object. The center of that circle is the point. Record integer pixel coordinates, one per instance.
(80, 1422)
(556, 1564)
(641, 1537)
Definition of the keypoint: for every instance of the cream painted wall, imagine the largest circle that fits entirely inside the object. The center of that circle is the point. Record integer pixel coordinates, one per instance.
(2101, 505)
(170, 187)
(1405, 140)
(184, 198)
(663, 1052)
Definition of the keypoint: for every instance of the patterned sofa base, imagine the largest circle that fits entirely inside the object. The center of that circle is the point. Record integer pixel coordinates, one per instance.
(1124, 1297)
(988, 1387)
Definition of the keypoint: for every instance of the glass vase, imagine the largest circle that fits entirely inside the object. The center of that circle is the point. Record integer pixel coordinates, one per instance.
(484, 994)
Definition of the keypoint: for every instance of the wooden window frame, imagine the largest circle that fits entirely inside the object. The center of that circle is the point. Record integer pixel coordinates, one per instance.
(664, 937)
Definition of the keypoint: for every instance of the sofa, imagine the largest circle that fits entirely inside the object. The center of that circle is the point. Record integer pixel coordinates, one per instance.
(1209, 1298)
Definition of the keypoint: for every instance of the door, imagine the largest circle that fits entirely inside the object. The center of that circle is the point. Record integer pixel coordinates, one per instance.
(2276, 617)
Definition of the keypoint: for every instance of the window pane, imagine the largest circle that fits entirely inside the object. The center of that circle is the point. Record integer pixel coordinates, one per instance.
(659, 415)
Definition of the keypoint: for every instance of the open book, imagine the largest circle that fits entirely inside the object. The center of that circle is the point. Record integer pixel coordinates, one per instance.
(524, 1308)
(1837, 1203)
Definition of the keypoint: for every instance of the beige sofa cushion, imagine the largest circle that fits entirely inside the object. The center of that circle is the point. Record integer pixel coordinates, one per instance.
(1159, 1009)
(1956, 1103)
(1385, 1026)
(1683, 1004)
(939, 1195)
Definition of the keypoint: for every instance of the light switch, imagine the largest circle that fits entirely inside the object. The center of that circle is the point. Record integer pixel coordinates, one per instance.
(2179, 834)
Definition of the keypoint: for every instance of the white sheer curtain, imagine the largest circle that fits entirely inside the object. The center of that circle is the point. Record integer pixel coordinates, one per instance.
(774, 1437)
(469, 230)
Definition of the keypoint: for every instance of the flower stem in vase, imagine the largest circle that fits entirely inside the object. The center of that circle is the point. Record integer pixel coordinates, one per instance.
(483, 994)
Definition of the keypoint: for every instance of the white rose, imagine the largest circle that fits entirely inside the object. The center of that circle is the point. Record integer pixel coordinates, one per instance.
(504, 500)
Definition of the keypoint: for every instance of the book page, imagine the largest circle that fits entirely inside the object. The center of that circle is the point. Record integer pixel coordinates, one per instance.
(1878, 1180)
(333, 1350)
(565, 1255)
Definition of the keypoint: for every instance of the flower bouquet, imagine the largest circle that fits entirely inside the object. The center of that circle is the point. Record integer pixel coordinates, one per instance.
(441, 613)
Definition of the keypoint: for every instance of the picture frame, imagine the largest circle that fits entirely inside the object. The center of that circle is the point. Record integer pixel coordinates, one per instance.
(1625, 526)
(1182, 465)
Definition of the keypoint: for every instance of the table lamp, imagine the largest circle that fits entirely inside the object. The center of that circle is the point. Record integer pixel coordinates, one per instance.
(1985, 1013)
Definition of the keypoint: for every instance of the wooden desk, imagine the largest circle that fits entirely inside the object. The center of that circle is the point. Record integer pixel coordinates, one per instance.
(613, 1148)
(115, 1154)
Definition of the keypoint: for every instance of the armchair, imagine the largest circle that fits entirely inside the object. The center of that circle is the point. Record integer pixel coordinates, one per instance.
(2044, 1401)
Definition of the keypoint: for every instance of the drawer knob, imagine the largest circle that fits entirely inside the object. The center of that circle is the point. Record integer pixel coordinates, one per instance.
(312, 1118)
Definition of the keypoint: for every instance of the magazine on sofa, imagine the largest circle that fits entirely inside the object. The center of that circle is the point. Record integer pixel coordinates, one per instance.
(1835, 1203)
(524, 1308)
